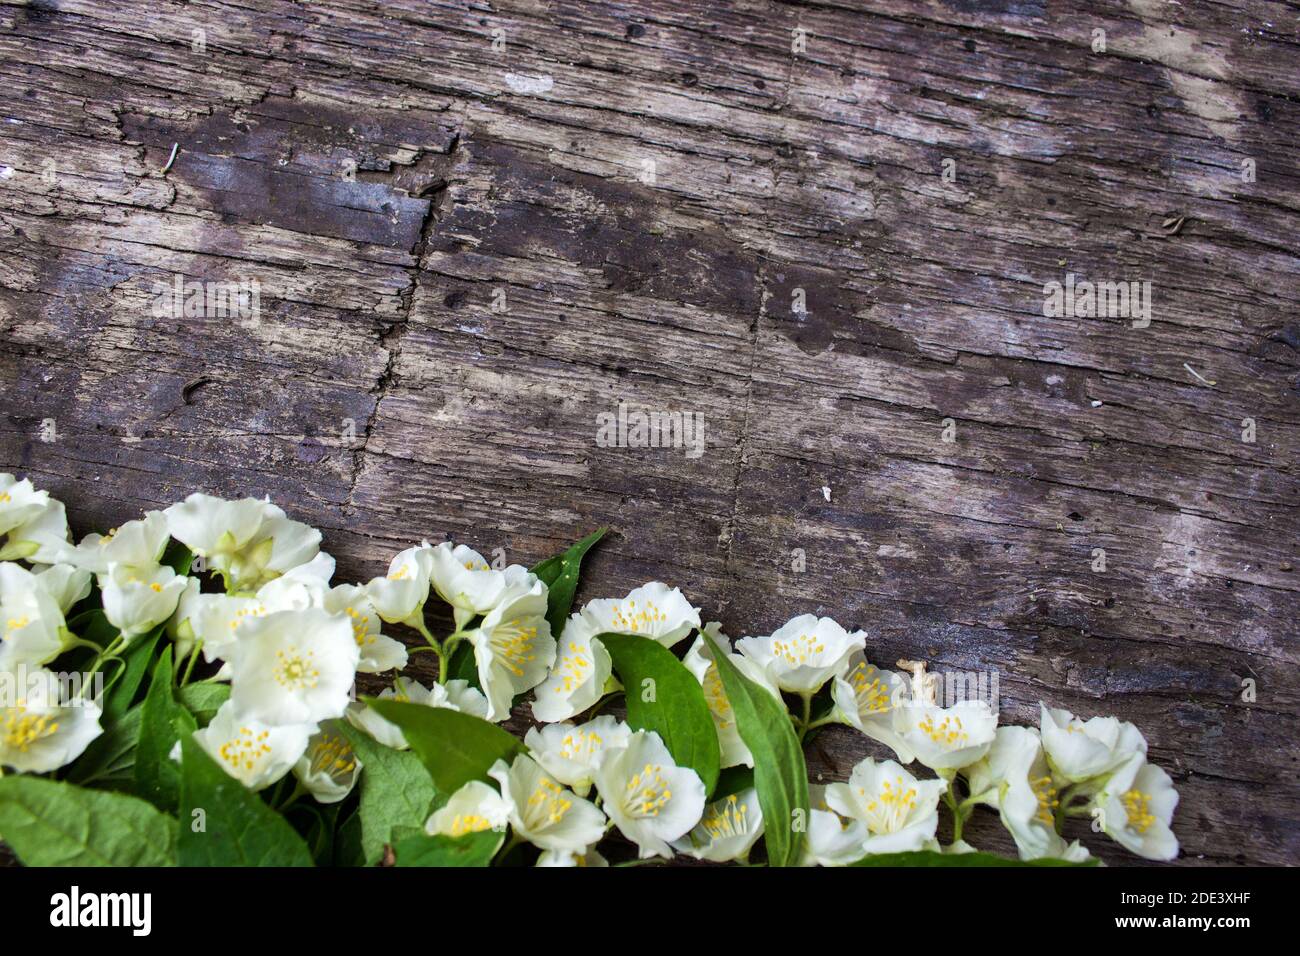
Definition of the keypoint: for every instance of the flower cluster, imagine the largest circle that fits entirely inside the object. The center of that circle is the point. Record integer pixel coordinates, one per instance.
(242, 596)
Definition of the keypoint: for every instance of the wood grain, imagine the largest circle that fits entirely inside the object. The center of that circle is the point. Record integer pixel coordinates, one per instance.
(383, 171)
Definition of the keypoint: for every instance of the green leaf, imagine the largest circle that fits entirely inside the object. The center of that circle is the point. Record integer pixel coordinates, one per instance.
(733, 780)
(316, 823)
(93, 626)
(463, 665)
(931, 858)
(223, 823)
(110, 758)
(560, 572)
(132, 668)
(347, 839)
(780, 775)
(396, 791)
(204, 700)
(57, 824)
(162, 723)
(179, 558)
(455, 748)
(89, 625)
(677, 710)
(472, 849)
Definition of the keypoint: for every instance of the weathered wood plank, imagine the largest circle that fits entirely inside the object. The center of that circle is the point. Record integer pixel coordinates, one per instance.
(648, 189)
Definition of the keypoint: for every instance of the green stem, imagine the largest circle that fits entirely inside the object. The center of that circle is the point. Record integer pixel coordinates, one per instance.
(958, 815)
(104, 655)
(595, 708)
(449, 644)
(514, 841)
(1068, 796)
(189, 667)
(970, 803)
(801, 723)
(441, 648)
(117, 675)
(79, 642)
(298, 791)
(821, 722)
(417, 621)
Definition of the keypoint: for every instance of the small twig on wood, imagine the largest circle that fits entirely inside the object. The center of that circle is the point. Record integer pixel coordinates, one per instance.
(1199, 375)
(171, 159)
(187, 390)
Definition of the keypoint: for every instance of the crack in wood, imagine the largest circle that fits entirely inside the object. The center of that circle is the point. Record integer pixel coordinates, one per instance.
(432, 187)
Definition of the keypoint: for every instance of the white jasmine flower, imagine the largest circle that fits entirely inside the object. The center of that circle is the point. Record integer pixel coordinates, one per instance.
(138, 599)
(306, 585)
(947, 739)
(830, 840)
(1073, 852)
(454, 695)
(20, 502)
(38, 732)
(32, 629)
(217, 619)
(900, 812)
(294, 667)
(699, 661)
(648, 797)
(870, 700)
(1079, 750)
(399, 597)
(210, 526)
(571, 754)
(279, 545)
(254, 753)
(218, 529)
(65, 583)
(458, 695)
(543, 812)
(463, 579)
(558, 858)
(1137, 805)
(728, 830)
(42, 539)
(138, 543)
(473, 808)
(513, 647)
(653, 610)
(582, 665)
(378, 652)
(179, 628)
(249, 541)
(328, 768)
(578, 678)
(804, 653)
(1015, 780)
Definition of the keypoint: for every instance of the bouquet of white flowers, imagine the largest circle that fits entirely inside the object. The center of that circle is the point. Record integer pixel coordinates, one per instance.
(181, 691)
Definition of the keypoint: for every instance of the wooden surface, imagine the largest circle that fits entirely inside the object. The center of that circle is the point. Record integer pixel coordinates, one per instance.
(526, 168)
